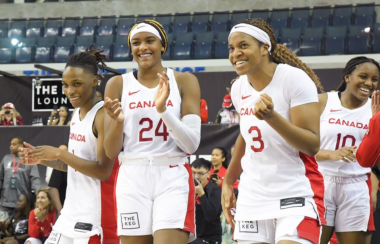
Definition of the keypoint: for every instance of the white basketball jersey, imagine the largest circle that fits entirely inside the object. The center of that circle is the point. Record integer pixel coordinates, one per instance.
(145, 133)
(273, 170)
(342, 127)
(83, 194)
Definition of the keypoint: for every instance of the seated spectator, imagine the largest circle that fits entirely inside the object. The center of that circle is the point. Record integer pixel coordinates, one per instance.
(9, 115)
(204, 111)
(228, 114)
(41, 219)
(219, 160)
(63, 119)
(15, 230)
(208, 205)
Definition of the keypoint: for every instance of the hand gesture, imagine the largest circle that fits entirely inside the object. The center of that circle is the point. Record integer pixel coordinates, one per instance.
(375, 102)
(199, 188)
(162, 93)
(264, 107)
(39, 213)
(34, 155)
(114, 110)
(344, 153)
(53, 113)
(227, 202)
(217, 181)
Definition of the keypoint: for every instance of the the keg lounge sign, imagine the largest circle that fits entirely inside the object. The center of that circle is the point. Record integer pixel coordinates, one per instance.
(48, 93)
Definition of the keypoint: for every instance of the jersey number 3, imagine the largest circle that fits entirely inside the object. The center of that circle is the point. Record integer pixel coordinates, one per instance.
(164, 133)
(256, 139)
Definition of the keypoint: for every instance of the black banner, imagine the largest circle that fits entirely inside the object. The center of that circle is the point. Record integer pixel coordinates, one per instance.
(48, 93)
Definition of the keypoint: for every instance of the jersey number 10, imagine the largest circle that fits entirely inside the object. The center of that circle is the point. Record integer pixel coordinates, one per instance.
(344, 140)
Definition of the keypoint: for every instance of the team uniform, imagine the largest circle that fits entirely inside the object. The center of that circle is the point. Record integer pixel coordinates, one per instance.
(155, 188)
(280, 190)
(81, 218)
(348, 185)
(368, 153)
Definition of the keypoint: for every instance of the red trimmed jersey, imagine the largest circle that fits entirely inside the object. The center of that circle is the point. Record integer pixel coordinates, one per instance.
(277, 179)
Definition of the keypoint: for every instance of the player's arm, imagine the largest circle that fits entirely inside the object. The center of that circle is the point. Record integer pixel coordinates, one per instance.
(368, 153)
(113, 117)
(100, 169)
(302, 131)
(185, 131)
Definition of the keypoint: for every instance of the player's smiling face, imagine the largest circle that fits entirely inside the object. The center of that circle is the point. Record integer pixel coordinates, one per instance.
(78, 85)
(245, 53)
(146, 49)
(363, 80)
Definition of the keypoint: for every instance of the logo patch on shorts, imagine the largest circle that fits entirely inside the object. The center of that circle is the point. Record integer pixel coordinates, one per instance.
(130, 220)
(248, 227)
(54, 237)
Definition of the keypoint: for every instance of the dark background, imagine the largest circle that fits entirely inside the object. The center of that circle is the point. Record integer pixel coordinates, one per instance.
(18, 90)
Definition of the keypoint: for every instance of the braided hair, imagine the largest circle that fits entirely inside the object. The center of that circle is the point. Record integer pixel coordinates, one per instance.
(280, 53)
(88, 60)
(351, 66)
(158, 27)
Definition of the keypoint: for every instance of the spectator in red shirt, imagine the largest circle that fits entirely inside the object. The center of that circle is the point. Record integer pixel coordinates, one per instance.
(219, 166)
(41, 219)
(9, 115)
(204, 111)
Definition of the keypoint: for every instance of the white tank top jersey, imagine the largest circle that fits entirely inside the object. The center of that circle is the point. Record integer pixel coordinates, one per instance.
(145, 134)
(342, 127)
(277, 179)
(83, 194)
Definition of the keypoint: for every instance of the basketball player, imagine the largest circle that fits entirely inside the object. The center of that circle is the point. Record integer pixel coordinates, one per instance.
(344, 121)
(280, 191)
(153, 115)
(89, 203)
(368, 153)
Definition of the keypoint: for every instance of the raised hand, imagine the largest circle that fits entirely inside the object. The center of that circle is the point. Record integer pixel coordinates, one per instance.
(114, 110)
(264, 107)
(375, 102)
(162, 93)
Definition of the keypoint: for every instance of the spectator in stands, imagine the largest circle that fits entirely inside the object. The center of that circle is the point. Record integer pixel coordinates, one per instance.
(204, 111)
(15, 230)
(64, 116)
(227, 229)
(16, 178)
(208, 207)
(9, 115)
(41, 219)
(228, 114)
(219, 160)
(99, 95)
(57, 185)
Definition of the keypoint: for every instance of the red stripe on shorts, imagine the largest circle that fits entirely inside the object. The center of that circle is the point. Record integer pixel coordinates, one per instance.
(309, 229)
(109, 210)
(317, 185)
(189, 225)
(371, 222)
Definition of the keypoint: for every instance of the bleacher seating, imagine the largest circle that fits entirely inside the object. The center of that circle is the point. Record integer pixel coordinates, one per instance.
(24, 53)
(17, 28)
(35, 28)
(321, 30)
(71, 27)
